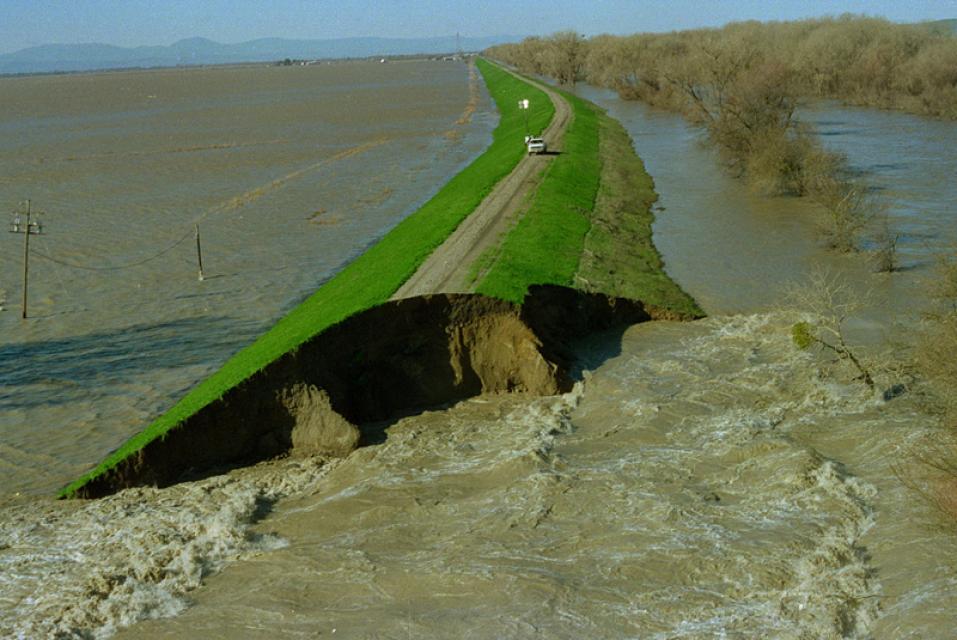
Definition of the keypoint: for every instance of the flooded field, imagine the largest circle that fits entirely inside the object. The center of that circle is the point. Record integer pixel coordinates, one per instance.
(289, 172)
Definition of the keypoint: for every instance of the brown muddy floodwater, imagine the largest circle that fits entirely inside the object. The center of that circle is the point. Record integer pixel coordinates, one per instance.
(704, 480)
(290, 172)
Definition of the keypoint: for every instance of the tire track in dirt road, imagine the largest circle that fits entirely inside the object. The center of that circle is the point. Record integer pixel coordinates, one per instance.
(447, 269)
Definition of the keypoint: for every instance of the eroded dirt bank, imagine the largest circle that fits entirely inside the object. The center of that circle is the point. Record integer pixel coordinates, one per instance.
(336, 390)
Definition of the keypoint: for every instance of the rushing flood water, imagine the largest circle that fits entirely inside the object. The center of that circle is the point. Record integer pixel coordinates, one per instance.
(290, 173)
(705, 480)
(679, 493)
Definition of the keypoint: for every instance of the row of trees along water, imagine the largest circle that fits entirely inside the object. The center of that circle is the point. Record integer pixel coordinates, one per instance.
(742, 83)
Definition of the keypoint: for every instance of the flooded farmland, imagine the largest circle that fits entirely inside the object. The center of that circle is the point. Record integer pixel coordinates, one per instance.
(288, 171)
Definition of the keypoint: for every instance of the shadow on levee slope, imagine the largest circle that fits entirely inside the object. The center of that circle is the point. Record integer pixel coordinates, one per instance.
(334, 392)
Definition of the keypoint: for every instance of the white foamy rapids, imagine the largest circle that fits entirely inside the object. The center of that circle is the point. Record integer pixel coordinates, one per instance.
(459, 443)
(85, 569)
(763, 534)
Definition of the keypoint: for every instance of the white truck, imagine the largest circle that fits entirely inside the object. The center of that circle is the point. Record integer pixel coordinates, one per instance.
(535, 145)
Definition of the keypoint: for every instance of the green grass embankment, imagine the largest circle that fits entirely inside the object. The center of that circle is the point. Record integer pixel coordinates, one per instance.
(373, 277)
(589, 225)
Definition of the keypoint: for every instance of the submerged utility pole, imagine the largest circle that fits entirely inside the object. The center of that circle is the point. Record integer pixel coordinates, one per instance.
(27, 228)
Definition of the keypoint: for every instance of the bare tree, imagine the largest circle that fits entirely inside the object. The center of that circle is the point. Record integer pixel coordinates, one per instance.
(831, 302)
(848, 209)
(566, 56)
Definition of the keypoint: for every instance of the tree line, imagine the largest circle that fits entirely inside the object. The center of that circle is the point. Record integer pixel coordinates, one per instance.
(861, 60)
(742, 84)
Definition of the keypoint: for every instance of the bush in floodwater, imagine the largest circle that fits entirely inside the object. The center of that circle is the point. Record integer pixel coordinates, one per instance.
(831, 302)
(930, 471)
(935, 360)
(885, 248)
(936, 357)
(791, 162)
(775, 164)
(848, 209)
(936, 352)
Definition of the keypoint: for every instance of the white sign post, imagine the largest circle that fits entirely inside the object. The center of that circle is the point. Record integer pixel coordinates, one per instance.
(523, 105)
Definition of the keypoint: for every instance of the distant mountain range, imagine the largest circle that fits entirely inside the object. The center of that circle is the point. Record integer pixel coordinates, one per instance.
(194, 51)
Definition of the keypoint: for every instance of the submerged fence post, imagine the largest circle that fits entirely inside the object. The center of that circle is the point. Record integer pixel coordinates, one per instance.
(26, 262)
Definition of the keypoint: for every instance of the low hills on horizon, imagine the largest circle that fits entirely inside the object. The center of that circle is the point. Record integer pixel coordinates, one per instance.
(66, 58)
(52, 58)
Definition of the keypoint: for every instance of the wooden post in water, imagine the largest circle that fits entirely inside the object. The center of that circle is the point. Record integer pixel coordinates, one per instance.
(199, 254)
(26, 262)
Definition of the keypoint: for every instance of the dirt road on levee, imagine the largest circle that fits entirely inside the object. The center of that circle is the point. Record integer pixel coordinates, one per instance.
(448, 269)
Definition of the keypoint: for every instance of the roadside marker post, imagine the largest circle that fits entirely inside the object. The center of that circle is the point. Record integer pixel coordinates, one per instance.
(523, 105)
(28, 229)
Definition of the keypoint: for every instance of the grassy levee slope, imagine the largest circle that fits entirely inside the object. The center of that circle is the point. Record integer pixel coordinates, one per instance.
(619, 257)
(589, 225)
(373, 277)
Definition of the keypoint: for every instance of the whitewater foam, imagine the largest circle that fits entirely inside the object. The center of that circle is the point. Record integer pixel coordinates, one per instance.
(83, 570)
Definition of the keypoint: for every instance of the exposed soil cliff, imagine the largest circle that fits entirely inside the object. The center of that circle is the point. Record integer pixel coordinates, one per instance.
(333, 392)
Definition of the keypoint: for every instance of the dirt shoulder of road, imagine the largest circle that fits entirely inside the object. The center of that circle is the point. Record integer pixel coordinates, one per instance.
(447, 269)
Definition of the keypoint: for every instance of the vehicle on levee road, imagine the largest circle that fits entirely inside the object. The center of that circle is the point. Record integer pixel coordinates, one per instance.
(536, 145)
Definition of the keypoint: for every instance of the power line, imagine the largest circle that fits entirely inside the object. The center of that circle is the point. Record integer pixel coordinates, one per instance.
(232, 204)
(130, 265)
(56, 273)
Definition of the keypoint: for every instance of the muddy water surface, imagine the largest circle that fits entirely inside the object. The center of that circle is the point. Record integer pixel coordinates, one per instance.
(290, 172)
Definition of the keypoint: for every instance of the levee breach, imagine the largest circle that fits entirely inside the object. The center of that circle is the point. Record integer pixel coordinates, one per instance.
(333, 393)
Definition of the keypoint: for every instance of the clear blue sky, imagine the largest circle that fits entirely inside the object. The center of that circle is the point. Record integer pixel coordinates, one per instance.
(25, 23)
